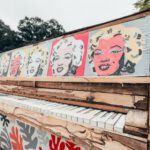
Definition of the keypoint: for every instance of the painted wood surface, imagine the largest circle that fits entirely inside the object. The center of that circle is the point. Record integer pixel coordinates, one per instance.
(83, 137)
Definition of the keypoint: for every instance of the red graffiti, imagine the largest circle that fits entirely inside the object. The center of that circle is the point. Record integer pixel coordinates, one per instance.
(40, 148)
(72, 146)
(16, 139)
(55, 144)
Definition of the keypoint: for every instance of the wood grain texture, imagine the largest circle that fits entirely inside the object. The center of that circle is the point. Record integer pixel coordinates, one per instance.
(132, 89)
(137, 118)
(136, 131)
(97, 97)
(109, 79)
(75, 103)
(97, 138)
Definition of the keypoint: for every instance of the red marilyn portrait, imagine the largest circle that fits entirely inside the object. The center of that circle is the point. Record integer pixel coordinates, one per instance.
(17, 63)
(68, 56)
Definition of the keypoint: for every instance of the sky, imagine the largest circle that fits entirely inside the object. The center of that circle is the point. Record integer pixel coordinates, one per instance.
(72, 14)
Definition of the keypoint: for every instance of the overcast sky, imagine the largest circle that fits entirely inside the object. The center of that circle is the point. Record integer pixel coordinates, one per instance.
(72, 14)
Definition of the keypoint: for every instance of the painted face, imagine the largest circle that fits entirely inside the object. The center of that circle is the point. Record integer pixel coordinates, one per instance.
(1, 69)
(16, 62)
(6, 63)
(34, 64)
(108, 54)
(62, 61)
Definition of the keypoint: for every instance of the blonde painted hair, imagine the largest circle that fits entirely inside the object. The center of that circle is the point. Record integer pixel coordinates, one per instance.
(76, 46)
(134, 42)
(44, 57)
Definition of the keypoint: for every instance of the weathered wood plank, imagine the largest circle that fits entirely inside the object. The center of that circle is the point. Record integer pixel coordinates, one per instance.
(137, 118)
(111, 23)
(136, 131)
(129, 101)
(76, 103)
(98, 138)
(109, 79)
(132, 89)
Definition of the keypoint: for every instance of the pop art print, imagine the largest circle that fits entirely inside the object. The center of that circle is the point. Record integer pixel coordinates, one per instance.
(68, 56)
(115, 50)
(37, 60)
(17, 63)
(5, 59)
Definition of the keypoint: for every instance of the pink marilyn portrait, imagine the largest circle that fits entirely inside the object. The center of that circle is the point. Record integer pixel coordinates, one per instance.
(115, 50)
(67, 56)
(4, 63)
(17, 63)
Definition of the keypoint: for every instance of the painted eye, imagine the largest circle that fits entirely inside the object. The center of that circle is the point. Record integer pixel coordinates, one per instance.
(38, 60)
(115, 51)
(98, 52)
(67, 57)
(55, 58)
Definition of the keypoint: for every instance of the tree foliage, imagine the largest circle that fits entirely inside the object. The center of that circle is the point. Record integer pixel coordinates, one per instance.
(30, 30)
(35, 29)
(142, 5)
(8, 38)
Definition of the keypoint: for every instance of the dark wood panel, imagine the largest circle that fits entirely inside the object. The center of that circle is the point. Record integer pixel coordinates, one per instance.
(112, 99)
(132, 89)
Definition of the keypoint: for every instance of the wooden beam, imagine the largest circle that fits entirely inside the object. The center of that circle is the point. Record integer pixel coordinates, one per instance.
(136, 131)
(109, 23)
(109, 79)
(74, 103)
(131, 89)
(127, 101)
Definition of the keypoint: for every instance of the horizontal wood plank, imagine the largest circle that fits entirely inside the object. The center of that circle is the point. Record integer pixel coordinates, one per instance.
(110, 23)
(136, 131)
(75, 103)
(132, 89)
(129, 101)
(108, 79)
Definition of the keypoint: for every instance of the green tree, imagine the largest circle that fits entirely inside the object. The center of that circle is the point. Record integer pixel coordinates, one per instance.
(8, 38)
(35, 29)
(142, 5)
(30, 30)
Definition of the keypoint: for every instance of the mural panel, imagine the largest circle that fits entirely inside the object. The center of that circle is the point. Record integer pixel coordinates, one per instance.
(37, 60)
(4, 63)
(118, 50)
(68, 56)
(121, 49)
(17, 63)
